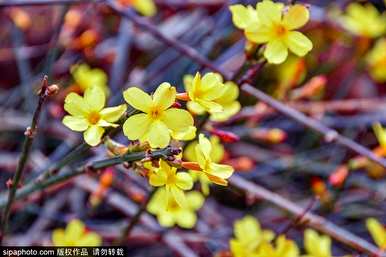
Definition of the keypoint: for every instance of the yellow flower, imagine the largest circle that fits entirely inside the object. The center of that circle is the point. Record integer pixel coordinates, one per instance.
(216, 155)
(75, 234)
(184, 216)
(217, 173)
(380, 134)
(376, 59)
(284, 248)
(174, 182)
(86, 77)
(89, 115)
(203, 92)
(316, 245)
(159, 122)
(275, 28)
(378, 232)
(210, 94)
(145, 7)
(364, 20)
(249, 237)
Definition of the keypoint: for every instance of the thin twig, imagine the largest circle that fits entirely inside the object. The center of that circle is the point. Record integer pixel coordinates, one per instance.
(135, 219)
(312, 220)
(44, 2)
(182, 48)
(330, 135)
(29, 137)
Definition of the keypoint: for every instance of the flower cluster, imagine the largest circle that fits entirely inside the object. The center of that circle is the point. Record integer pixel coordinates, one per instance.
(156, 121)
(364, 20)
(274, 26)
(251, 240)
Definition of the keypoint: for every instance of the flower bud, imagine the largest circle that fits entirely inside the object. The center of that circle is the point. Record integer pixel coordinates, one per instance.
(338, 177)
(225, 136)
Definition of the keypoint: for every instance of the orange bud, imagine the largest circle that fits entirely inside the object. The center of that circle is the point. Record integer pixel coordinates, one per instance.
(273, 136)
(225, 136)
(73, 18)
(311, 88)
(106, 178)
(21, 18)
(88, 38)
(338, 177)
(191, 166)
(183, 97)
(241, 163)
(318, 186)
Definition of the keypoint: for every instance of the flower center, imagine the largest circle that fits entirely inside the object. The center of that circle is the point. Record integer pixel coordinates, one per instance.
(93, 117)
(280, 30)
(155, 113)
(171, 180)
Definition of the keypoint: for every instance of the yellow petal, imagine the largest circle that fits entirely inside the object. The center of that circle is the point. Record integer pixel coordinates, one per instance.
(231, 93)
(93, 135)
(158, 178)
(211, 86)
(195, 200)
(188, 134)
(74, 230)
(298, 43)
(380, 133)
(210, 106)
(276, 52)
(138, 99)
(259, 35)
(296, 17)
(95, 98)
(186, 219)
(247, 228)
(136, 126)
(184, 180)
(156, 203)
(195, 108)
(377, 231)
(166, 219)
(90, 239)
(178, 195)
(204, 145)
(229, 111)
(164, 96)
(243, 16)
(177, 119)
(58, 238)
(221, 170)
(112, 114)
(190, 152)
(269, 12)
(145, 7)
(159, 135)
(75, 105)
(75, 123)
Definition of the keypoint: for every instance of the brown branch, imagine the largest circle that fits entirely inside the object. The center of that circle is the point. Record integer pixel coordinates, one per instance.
(44, 2)
(186, 50)
(314, 221)
(29, 133)
(329, 134)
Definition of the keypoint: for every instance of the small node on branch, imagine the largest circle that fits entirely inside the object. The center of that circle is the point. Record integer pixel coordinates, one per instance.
(330, 136)
(9, 183)
(52, 90)
(29, 132)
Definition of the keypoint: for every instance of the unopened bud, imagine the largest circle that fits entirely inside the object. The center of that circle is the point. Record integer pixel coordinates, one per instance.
(106, 178)
(338, 177)
(176, 105)
(273, 136)
(183, 97)
(21, 18)
(310, 89)
(9, 183)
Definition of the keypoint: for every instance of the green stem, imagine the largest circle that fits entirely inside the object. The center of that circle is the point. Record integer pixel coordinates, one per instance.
(55, 179)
